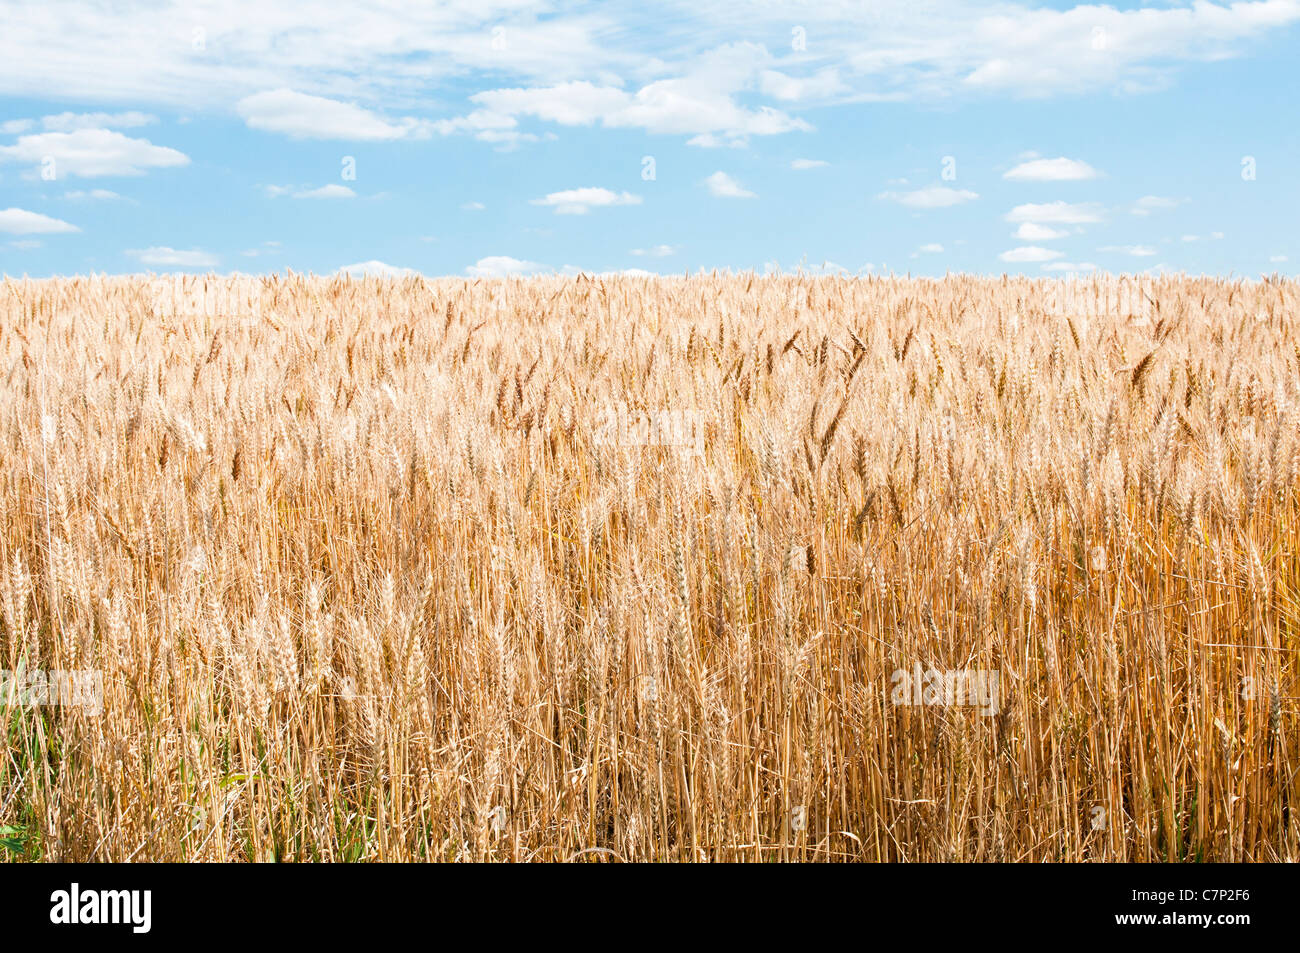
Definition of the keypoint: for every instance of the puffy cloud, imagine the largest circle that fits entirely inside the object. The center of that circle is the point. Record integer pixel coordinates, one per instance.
(724, 186)
(580, 201)
(822, 85)
(1061, 213)
(500, 266)
(92, 152)
(878, 51)
(1033, 232)
(17, 221)
(1052, 170)
(376, 268)
(701, 103)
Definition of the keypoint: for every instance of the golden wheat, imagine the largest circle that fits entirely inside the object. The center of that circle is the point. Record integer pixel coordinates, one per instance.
(627, 568)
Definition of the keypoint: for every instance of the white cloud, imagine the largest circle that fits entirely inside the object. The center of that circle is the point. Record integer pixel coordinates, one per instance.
(1052, 170)
(700, 102)
(657, 251)
(500, 266)
(375, 268)
(71, 122)
(486, 126)
(333, 191)
(1137, 251)
(266, 248)
(581, 201)
(801, 164)
(1038, 52)
(724, 186)
(25, 244)
(407, 53)
(1276, 259)
(17, 221)
(101, 195)
(1033, 232)
(473, 206)
(1070, 266)
(932, 248)
(174, 258)
(1028, 253)
(822, 85)
(1150, 203)
(935, 196)
(303, 116)
(92, 152)
(1061, 213)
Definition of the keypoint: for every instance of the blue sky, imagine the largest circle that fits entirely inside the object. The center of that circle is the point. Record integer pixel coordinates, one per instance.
(505, 137)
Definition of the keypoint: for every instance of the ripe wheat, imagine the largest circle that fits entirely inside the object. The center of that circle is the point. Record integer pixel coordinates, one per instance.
(415, 570)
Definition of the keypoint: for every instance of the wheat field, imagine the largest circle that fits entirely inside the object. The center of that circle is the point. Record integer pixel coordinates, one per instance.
(616, 568)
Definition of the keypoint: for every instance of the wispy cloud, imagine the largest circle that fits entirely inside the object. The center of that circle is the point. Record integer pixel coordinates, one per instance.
(174, 258)
(98, 195)
(981, 48)
(1153, 203)
(303, 116)
(935, 196)
(331, 191)
(1030, 253)
(71, 122)
(1137, 251)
